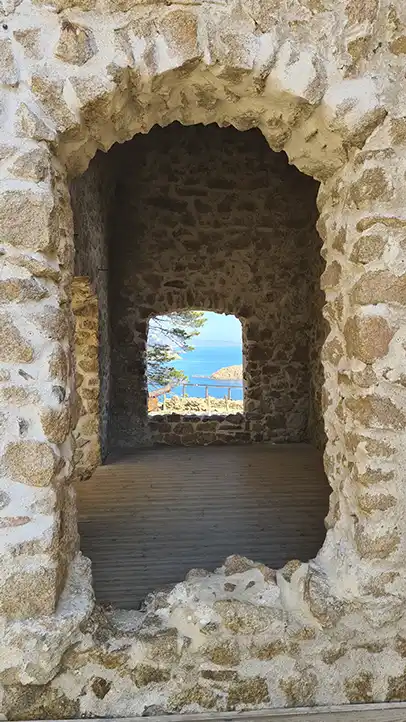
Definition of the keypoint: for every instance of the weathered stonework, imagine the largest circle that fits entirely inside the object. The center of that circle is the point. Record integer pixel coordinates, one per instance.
(208, 223)
(325, 83)
(87, 429)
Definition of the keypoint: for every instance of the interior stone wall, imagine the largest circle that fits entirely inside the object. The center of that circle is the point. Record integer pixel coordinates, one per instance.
(318, 334)
(87, 429)
(213, 219)
(91, 196)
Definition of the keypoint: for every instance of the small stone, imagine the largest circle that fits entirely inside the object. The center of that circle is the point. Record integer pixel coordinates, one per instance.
(34, 702)
(339, 240)
(252, 691)
(376, 447)
(30, 125)
(243, 617)
(331, 276)
(29, 462)
(76, 44)
(300, 691)
(269, 650)
(31, 165)
(398, 46)
(332, 351)
(50, 94)
(8, 69)
(100, 687)
(25, 219)
(40, 268)
(56, 424)
(58, 364)
(162, 646)
(29, 594)
(144, 674)
(380, 287)
(329, 656)
(4, 500)
(367, 249)
(53, 322)
(20, 290)
(368, 337)
(12, 521)
(13, 347)
(29, 38)
(375, 546)
(376, 412)
(322, 602)
(179, 28)
(19, 395)
(196, 695)
(361, 11)
(226, 654)
(372, 186)
(371, 477)
(290, 568)
(354, 108)
(369, 503)
(397, 688)
(398, 131)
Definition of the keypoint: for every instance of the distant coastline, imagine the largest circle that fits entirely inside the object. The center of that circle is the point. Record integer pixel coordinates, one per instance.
(228, 372)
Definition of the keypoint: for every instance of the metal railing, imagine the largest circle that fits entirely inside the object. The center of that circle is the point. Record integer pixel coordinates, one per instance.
(154, 395)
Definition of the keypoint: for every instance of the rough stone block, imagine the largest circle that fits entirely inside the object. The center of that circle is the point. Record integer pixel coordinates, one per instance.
(25, 220)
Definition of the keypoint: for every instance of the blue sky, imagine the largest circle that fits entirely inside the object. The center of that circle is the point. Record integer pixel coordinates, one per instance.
(220, 327)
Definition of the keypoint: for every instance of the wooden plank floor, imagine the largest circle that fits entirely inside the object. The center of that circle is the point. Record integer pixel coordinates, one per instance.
(146, 518)
(380, 712)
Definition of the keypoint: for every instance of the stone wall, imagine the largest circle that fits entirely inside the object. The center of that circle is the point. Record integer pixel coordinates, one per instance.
(213, 219)
(192, 430)
(91, 196)
(87, 430)
(325, 82)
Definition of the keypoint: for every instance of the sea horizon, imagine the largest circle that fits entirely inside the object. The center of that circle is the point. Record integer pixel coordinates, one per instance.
(198, 365)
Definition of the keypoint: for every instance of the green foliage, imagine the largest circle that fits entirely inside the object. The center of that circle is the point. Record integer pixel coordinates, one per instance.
(168, 336)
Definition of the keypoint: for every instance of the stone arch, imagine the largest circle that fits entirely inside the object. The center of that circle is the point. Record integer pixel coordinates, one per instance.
(99, 79)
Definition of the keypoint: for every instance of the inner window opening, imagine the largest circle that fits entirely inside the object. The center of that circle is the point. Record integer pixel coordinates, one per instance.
(209, 220)
(195, 364)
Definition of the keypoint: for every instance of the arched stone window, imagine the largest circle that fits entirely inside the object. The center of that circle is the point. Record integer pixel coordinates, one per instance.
(323, 82)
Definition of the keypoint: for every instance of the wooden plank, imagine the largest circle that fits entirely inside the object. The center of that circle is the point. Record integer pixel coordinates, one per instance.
(147, 518)
(380, 712)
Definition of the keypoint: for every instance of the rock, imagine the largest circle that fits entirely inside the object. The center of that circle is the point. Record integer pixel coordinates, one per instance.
(196, 695)
(252, 691)
(21, 289)
(327, 609)
(380, 287)
(76, 44)
(225, 654)
(228, 372)
(368, 337)
(25, 219)
(376, 412)
(9, 74)
(56, 423)
(243, 617)
(29, 462)
(13, 347)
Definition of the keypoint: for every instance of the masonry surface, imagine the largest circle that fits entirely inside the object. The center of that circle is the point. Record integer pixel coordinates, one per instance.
(212, 219)
(323, 81)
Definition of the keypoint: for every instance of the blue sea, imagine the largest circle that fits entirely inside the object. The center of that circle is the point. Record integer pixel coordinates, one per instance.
(198, 365)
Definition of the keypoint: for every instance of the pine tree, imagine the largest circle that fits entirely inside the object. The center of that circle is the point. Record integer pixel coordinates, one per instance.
(168, 337)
